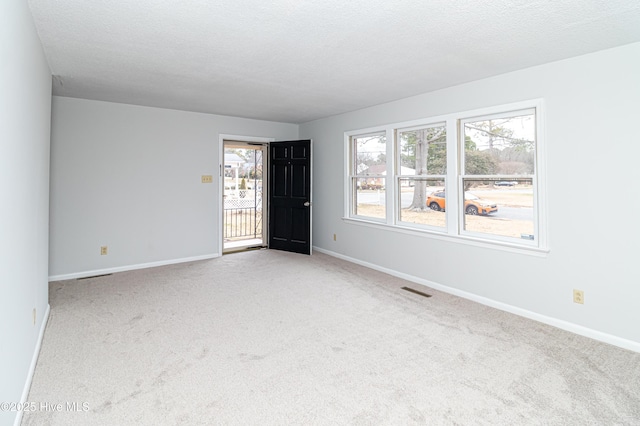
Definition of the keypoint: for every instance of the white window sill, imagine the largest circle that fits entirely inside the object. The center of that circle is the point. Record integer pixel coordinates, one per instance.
(458, 239)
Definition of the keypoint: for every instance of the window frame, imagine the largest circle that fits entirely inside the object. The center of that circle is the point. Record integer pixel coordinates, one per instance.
(353, 176)
(463, 176)
(454, 193)
(398, 176)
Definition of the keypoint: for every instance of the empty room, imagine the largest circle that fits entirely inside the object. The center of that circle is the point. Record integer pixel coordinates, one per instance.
(298, 212)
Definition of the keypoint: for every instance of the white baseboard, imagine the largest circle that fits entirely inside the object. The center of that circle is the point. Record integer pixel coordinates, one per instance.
(32, 367)
(564, 325)
(95, 272)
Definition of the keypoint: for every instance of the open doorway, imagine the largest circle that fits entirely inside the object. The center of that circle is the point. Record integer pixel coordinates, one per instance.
(244, 201)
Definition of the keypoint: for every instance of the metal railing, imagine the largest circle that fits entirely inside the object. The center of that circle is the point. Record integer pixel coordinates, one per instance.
(242, 219)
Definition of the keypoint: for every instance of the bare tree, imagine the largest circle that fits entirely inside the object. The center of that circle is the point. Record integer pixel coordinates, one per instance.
(423, 141)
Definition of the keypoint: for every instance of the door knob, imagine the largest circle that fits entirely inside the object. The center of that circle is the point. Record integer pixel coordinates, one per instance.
(307, 204)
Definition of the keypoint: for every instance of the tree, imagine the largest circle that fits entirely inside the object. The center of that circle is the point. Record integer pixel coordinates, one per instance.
(370, 151)
(477, 162)
(427, 149)
(510, 153)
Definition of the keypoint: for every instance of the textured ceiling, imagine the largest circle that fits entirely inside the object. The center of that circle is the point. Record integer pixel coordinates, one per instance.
(296, 60)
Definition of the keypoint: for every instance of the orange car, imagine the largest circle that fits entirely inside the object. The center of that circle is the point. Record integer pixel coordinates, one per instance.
(472, 204)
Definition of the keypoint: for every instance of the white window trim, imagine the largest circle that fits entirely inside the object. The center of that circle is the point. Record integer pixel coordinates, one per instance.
(457, 239)
(349, 175)
(491, 114)
(454, 217)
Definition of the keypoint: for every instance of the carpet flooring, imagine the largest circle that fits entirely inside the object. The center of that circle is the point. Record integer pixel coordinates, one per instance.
(273, 338)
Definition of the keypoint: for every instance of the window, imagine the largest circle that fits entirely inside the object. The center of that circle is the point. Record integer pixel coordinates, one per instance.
(471, 176)
(368, 175)
(421, 169)
(498, 174)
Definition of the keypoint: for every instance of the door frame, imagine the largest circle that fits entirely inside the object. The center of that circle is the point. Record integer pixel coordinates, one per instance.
(233, 138)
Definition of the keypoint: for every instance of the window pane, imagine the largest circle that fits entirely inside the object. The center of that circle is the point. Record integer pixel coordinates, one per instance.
(419, 203)
(500, 146)
(369, 197)
(499, 207)
(369, 154)
(423, 151)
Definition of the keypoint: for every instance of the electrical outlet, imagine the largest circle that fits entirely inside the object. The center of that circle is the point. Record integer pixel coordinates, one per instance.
(207, 179)
(104, 250)
(578, 296)
(334, 237)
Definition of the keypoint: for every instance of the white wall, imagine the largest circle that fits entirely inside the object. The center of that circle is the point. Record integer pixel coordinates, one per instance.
(592, 110)
(129, 177)
(25, 111)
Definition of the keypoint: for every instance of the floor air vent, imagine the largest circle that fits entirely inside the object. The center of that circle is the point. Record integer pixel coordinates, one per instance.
(416, 292)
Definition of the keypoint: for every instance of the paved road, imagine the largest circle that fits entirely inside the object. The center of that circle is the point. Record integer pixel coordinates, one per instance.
(513, 213)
